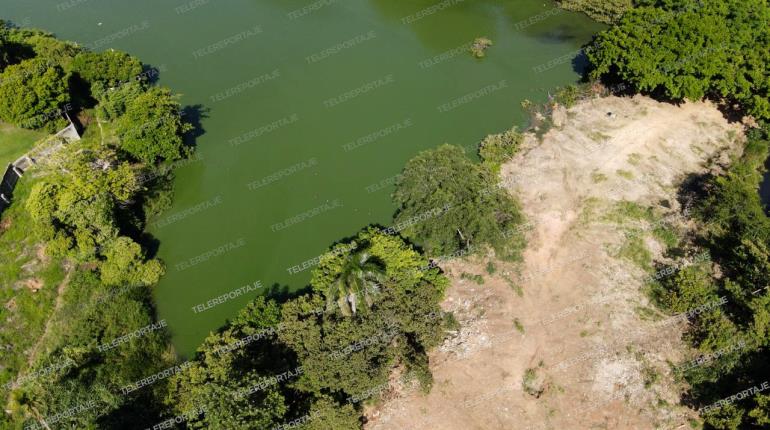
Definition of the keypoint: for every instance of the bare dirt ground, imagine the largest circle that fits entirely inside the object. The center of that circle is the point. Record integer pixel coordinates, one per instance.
(567, 339)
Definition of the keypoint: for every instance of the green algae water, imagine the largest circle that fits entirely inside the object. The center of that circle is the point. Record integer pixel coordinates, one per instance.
(308, 110)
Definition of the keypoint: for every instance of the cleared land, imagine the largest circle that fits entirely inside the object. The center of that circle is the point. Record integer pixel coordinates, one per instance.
(567, 339)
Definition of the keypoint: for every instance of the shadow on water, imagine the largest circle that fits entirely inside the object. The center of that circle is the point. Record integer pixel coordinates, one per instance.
(194, 114)
(580, 63)
(150, 73)
(283, 293)
(562, 33)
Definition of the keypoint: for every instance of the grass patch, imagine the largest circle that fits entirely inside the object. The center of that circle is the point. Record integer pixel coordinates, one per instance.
(634, 250)
(626, 210)
(15, 142)
(26, 312)
(649, 376)
(625, 174)
(666, 235)
(514, 286)
(647, 314)
(588, 214)
(475, 278)
(531, 383)
(598, 136)
(519, 326)
(491, 268)
(597, 177)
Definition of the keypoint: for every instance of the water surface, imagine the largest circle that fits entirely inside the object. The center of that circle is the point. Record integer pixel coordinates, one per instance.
(283, 114)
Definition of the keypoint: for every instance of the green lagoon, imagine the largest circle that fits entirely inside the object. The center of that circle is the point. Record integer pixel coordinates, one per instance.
(308, 110)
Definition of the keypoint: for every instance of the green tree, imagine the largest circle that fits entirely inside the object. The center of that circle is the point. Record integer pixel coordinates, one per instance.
(76, 205)
(736, 333)
(728, 417)
(32, 93)
(353, 354)
(113, 101)
(151, 129)
(110, 67)
(761, 414)
(326, 414)
(362, 276)
(447, 203)
(691, 49)
(231, 382)
(42, 45)
(126, 264)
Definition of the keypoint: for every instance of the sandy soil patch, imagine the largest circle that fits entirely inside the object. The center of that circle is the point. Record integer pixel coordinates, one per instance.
(578, 349)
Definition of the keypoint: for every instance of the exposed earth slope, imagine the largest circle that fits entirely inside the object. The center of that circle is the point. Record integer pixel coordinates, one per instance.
(569, 340)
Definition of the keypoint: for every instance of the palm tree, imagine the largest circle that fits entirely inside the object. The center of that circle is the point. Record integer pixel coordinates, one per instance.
(362, 275)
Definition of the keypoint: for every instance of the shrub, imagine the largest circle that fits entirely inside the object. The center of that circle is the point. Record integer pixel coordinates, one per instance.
(496, 149)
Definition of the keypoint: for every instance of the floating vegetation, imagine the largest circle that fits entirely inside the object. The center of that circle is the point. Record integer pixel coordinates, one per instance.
(479, 47)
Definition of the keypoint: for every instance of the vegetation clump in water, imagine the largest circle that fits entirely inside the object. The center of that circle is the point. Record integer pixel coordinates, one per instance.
(479, 47)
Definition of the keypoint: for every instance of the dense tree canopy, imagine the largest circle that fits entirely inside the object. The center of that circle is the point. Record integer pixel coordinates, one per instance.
(125, 264)
(301, 362)
(736, 231)
(31, 43)
(223, 378)
(113, 100)
(402, 322)
(75, 211)
(110, 67)
(447, 203)
(74, 371)
(85, 206)
(691, 49)
(152, 127)
(32, 93)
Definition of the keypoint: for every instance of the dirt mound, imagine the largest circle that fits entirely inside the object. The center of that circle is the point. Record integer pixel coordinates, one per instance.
(581, 347)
